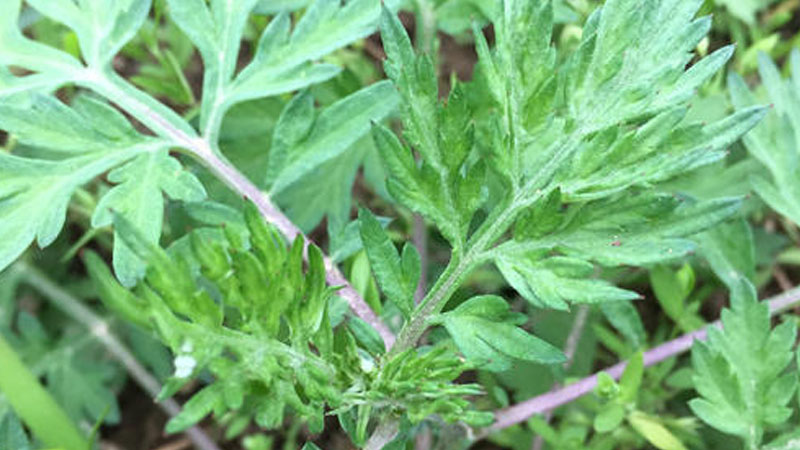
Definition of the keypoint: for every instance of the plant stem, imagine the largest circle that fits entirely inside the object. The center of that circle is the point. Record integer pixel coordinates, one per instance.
(521, 412)
(420, 240)
(382, 435)
(99, 328)
(445, 286)
(164, 122)
(426, 28)
(35, 406)
(457, 270)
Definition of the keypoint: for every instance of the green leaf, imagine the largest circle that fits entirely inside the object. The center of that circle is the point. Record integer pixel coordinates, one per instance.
(739, 372)
(364, 282)
(12, 435)
(446, 187)
(775, 142)
(414, 77)
(730, 250)
(397, 277)
(624, 317)
(654, 431)
(569, 151)
(51, 67)
(36, 195)
(34, 404)
(299, 149)
(89, 125)
(217, 32)
(283, 59)
(609, 418)
(606, 388)
(672, 288)
(200, 405)
(457, 16)
(486, 332)
(172, 280)
(36, 192)
(745, 10)
(632, 160)
(276, 6)
(102, 27)
(138, 197)
(633, 229)
(631, 379)
(621, 230)
(619, 74)
(326, 26)
(83, 386)
(116, 298)
(405, 183)
(786, 441)
(551, 282)
(82, 142)
(366, 336)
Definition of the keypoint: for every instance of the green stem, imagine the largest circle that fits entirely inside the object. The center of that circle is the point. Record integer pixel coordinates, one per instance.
(34, 405)
(456, 271)
(433, 303)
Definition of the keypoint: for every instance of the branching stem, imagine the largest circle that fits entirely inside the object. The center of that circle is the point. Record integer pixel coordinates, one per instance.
(460, 267)
(170, 126)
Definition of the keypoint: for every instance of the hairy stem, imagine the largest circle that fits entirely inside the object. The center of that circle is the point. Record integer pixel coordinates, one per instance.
(99, 328)
(433, 303)
(151, 113)
(426, 27)
(420, 240)
(521, 412)
(457, 270)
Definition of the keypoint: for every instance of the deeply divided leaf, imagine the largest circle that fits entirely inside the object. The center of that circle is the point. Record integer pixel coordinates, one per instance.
(740, 373)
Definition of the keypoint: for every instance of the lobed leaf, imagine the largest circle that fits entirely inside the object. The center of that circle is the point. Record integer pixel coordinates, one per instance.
(739, 372)
(51, 67)
(139, 197)
(102, 26)
(36, 192)
(775, 142)
(567, 149)
(446, 187)
(283, 59)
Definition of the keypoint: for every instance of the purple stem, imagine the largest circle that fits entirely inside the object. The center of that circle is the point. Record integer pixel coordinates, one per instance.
(520, 412)
(227, 173)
